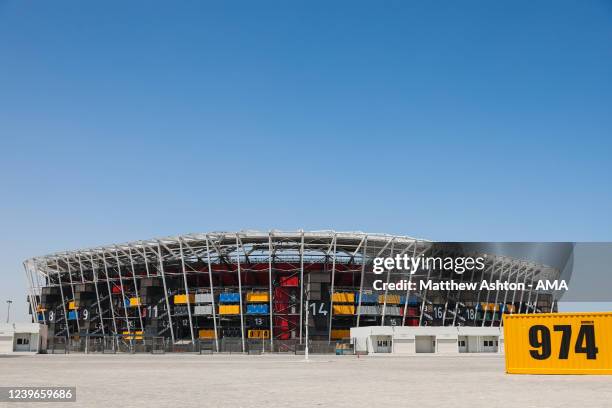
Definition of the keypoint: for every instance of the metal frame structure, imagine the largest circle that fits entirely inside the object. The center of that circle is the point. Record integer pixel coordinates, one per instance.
(132, 287)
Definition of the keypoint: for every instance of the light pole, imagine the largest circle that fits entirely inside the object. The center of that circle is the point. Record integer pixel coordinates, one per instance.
(8, 309)
(307, 316)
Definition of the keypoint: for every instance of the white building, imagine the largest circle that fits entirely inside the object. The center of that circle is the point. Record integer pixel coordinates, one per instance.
(22, 337)
(408, 340)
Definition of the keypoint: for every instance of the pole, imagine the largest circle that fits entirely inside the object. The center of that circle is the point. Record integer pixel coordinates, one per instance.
(8, 310)
(307, 315)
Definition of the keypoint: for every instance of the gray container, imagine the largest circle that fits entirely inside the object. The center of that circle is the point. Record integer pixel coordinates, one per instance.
(368, 310)
(320, 277)
(315, 295)
(205, 310)
(391, 310)
(314, 286)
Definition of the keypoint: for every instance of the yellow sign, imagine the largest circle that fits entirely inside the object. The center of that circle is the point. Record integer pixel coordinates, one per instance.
(558, 343)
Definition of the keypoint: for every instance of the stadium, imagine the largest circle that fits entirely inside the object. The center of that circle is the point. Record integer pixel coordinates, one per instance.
(271, 291)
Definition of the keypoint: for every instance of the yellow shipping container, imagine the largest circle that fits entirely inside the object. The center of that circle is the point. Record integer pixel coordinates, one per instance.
(136, 335)
(135, 301)
(206, 334)
(182, 299)
(259, 334)
(558, 343)
(229, 309)
(391, 299)
(489, 307)
(72, 305)
(340, 334)
(257, 297)
(344, 309)
(343, 297)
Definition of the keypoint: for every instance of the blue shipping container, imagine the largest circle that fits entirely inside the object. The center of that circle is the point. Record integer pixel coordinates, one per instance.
(257, 309)
(367, 298)
(229, 297)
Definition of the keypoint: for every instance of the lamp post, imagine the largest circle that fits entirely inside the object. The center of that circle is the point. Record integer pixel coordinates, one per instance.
(8, 309)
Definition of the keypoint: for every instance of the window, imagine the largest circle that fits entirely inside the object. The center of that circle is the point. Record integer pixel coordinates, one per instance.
(19, 341)
(461, 343)
(26, 341)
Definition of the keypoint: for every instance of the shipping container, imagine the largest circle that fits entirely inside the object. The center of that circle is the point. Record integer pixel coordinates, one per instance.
(229, 309)
(344, 309)
(368, 310)
(366, 298)
(203, 298)
(391, 310)
(289, 281)
(257, 309)
(182, 299)
(254, 297)
(340, 334)
(558, 343)
(489, 307)
(135, 335)
(229, 297)
(343, 297)
(203, 310)
(206, 334)
(391, 299)
(259, 334)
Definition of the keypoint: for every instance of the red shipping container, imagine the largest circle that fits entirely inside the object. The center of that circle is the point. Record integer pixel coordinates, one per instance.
(289, 281)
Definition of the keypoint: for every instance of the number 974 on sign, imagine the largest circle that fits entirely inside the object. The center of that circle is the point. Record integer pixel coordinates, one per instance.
(558, 343)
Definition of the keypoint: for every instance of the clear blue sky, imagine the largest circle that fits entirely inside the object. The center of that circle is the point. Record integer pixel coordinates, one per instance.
(471, 120)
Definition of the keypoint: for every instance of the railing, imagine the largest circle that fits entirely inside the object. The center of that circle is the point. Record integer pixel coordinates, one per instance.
(158, 345)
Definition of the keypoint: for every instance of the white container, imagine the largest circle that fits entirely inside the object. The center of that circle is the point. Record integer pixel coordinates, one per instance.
(203, 298)
(203, 310)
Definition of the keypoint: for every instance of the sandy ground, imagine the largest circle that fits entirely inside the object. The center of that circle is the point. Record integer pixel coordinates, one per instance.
(172, 380)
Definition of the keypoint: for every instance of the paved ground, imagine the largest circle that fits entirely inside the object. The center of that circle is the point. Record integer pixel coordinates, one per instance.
(287, 381)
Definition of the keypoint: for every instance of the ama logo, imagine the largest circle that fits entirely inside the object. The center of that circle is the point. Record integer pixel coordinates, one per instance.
(552, 285)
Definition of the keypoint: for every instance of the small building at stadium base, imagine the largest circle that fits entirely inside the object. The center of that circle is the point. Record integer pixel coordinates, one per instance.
(22, 337)
(407, 340)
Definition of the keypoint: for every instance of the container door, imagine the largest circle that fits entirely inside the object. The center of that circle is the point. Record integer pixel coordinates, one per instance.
(462, 344)
(383, 344)
(425, 344)
(22, 342)
(6, 344)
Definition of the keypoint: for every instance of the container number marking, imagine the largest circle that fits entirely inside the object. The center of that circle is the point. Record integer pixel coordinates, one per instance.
(539, 339)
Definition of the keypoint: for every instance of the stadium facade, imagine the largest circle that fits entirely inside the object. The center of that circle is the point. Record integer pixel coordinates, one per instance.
(273, 289)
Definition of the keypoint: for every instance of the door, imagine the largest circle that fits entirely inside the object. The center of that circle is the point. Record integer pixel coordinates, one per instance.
(425, 344)
(383, 344)
(462, 344)
(22, 342)
(6, 344)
